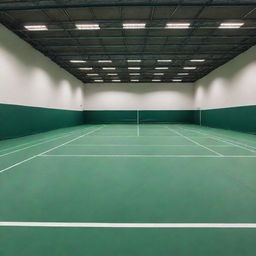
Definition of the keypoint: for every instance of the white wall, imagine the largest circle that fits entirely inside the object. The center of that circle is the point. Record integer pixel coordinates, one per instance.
(31, 79)
(233, 84)
(133, 96)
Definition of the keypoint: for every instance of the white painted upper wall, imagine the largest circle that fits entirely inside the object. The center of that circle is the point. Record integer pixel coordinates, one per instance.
(233, 84)
(31, 79)
(139, 96)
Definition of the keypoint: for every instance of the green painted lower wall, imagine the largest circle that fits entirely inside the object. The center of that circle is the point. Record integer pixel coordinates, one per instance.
(241, 118)
(16, 120)
(145, 116)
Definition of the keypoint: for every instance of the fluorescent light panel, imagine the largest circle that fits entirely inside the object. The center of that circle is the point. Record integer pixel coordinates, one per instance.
(189, 68)
(112, 74)
(198, 60)
(84, 26)
(177, 25)
(36, 27)
(133, 60)
(86, 68)
(105, 61)
(134, 25)
(158, 74)
(77, 61)
(176, 80)
(135, 68)
(116, 80)
(134, 74)
(164, 60)
(92, 74)
(161, 68)
(109, 68)
(231, 25)
(98, 81)
(156, 80)
(183, 74)
(135, 80)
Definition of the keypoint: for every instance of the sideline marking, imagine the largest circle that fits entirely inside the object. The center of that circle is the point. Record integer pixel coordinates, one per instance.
(30, 158)
(194, 141)
(225, 140)
(126, 225)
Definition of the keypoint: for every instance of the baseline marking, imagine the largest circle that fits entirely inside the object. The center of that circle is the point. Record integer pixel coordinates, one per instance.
(30, 158)
(126, 225)
(167, 156)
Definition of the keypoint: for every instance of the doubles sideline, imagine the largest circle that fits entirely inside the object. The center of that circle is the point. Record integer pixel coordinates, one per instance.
(126, 225)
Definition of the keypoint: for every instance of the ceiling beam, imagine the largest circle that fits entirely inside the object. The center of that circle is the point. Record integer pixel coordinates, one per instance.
(38, 6)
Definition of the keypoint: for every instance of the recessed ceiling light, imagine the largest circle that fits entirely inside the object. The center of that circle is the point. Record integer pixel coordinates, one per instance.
(158, 74)
(105, 61)
(177, 25)
(36, 27)
(161, 68)
(92, 74)
(189, 68)
(156, 80)
(164, 60)
(98, 81)
(135, 80)
(134, 74)
(231, 25)
(85, 68)
(176, 80)
(116, 80)
(109, 68)
(183, 74)
(135, 68)
(134, 25)
(84, 26)
(198, 60)
(77, 61)
(112, 74)
(133, 60)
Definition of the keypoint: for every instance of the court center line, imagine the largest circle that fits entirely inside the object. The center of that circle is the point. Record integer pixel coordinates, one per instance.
(222, 140)
(150, 156)
(215, 152)
(125, 225)
(30, 158)
(141, 145)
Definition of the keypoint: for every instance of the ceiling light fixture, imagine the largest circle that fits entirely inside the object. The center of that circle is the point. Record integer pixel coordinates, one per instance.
(189, 68)
(109, 68)
(134, 25)
(86, 68)
(112, 74)
(133, 60)
(134, 74)
(183, 74)
(135, 80)
(77, 61)
(161, 68)
(156, 80)
(158, 74)
(134, 68)
(98, 81)
(92, 74)
(36, 27)
(177, 25)
(105, 61)
(176, 80)
(116, 80)
(198, 60)
(164, 60)
(84, 26)
(231, 25)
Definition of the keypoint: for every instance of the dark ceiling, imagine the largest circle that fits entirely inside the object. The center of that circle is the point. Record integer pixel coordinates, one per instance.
(63, 42)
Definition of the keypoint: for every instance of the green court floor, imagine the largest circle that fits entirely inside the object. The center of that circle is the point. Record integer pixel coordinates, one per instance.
(129, 190)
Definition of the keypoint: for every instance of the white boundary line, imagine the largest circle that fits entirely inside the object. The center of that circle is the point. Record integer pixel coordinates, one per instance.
(223, 140)
(215, 152)
(141, 145)
(150, 156)
(45, 141)
(125, 225)
(30, 158)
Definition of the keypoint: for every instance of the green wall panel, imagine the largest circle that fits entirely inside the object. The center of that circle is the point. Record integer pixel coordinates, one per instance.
(241, 118)
(16, 120)
(145, 116)
(109, 116)
(166, 116)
